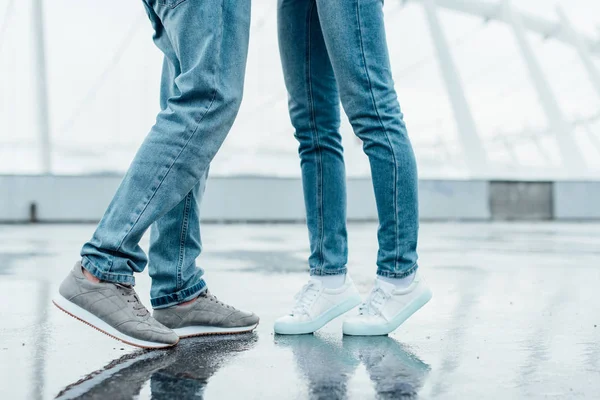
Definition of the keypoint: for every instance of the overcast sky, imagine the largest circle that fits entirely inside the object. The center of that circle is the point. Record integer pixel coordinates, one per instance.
(83, 36)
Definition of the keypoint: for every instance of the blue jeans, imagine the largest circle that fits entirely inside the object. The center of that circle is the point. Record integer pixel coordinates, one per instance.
(205, 45)
(332, 50)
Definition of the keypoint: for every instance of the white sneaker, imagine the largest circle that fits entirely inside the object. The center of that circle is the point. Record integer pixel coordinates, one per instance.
(316, 306)
(387, 308)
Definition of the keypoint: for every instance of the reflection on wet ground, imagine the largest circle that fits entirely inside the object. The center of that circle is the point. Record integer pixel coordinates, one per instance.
(515, 315)
(328, 365)
(183, 371)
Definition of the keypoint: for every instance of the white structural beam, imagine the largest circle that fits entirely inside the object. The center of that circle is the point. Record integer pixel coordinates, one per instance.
(582, 49)
(572, 157)
(474, 151)
(493, 11)
(595, 141)
(41, 86)
(538, 144)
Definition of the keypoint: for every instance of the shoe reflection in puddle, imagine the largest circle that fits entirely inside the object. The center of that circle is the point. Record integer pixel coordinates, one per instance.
(327, 365)
(181, 372)
(394, 371)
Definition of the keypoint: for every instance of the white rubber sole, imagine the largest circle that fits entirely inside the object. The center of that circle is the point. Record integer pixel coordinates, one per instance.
(385, 329)
(302, 328)
(190, 331)
(90, 319)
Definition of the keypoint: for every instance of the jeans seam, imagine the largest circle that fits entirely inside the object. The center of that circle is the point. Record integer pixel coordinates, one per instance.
(179, 296)
(183, 237)
(398, 275)
(386, 135)
(106, 276)
(171, 5)
(201, 118)
(313, 120)
(323, 271)
(138, 216)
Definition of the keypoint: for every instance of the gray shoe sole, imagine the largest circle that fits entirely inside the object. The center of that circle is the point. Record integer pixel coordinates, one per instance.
(90, 319)
(191, 331)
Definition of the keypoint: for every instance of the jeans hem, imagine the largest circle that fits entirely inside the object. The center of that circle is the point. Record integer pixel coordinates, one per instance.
(181, 296)
(325, 272)
(398, 275)
(106, 276)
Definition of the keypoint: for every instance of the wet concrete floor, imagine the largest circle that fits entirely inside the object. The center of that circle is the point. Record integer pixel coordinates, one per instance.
(515, 314)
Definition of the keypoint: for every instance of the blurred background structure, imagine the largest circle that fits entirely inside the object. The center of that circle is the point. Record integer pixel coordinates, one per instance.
(491, 90)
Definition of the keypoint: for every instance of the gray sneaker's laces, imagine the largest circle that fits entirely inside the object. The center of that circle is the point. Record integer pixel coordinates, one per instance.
(212, 297)
(131, 297)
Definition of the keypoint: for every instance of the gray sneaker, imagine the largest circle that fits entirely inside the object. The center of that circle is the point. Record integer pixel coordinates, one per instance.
(206, 316)
(112, 309)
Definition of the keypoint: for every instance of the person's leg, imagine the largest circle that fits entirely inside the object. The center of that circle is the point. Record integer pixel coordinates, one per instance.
(209, 39)
(179, 295)
(175, 241)
(315, 115)
(355, 36)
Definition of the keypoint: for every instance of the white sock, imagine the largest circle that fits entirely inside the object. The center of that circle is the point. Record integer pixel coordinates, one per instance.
(331, 281)
(400, 283)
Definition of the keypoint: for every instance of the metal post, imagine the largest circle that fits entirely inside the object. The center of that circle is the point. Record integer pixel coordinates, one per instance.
(41, 86)
(475, 154)
(581, 47)
(571, 155)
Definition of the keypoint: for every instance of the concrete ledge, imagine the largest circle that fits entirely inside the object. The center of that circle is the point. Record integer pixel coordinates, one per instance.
(264, 199)
(453, 200)
(521, 200)
(577, 200)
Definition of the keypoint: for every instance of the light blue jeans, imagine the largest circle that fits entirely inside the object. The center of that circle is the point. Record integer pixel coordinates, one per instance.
(205, 44)
(332, 50)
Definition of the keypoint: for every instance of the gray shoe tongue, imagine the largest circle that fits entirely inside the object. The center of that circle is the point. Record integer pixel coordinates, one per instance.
(208, 295)
(124, 286)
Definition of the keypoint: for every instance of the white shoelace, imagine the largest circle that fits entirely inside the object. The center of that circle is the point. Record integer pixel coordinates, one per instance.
(305, 298)
(374, 303)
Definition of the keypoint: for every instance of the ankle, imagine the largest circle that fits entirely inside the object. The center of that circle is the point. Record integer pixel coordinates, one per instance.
(185, 303)
(331, 281)
(89, 276)
(400, 283)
